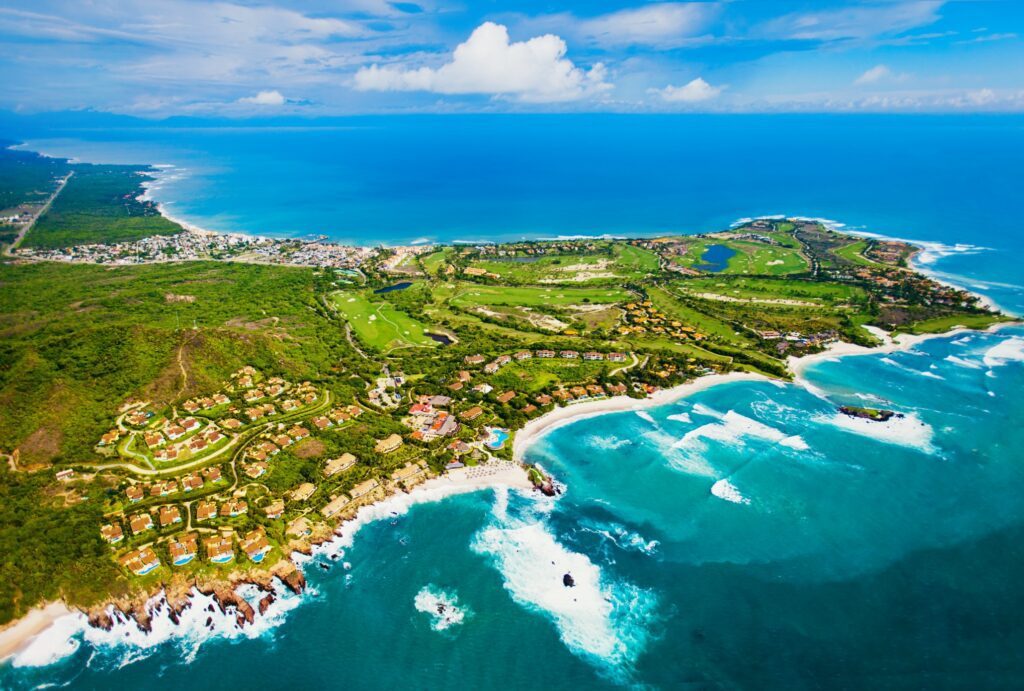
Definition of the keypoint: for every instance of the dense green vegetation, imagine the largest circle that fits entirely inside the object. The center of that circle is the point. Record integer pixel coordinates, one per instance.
(27, 177)
(99, 204)
(76, 341)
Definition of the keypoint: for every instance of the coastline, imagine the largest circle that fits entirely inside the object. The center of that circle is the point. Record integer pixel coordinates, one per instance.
(19, 635)
(564, 415)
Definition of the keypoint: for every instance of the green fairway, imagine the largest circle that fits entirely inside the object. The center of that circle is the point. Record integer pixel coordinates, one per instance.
(617, 262)
(469, 295)
(378, 324)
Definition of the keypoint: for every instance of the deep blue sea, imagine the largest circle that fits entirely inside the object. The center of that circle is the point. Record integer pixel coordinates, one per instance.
(747, 537)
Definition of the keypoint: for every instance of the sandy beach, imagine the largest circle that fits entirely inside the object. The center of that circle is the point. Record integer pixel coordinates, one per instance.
(564, 415)
(20, 633)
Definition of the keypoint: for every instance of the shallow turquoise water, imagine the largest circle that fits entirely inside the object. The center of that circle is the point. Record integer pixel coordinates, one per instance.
(746, 537)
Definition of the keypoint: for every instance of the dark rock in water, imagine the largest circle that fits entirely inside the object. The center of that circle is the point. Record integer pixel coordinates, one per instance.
(548, 489)
(295, 581)
(568, 581)
(440, 608)
(209, 622)
(325, 567)
(334, 557)
(266, 602)
(873, 414)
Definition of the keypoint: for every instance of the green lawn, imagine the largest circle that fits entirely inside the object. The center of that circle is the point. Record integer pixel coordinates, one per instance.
(854, 252)
(378, 324)
(470, 295)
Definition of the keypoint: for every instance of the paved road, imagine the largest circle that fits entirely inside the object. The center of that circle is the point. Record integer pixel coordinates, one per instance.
(9, 251)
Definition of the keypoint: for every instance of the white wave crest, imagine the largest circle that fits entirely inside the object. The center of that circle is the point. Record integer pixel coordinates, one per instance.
(596, 617)
(644, 415)
(680, 417)
(442, 606)
(723, 489)
(909, 430)
(1010, 350)
(607, 443)
(962, 362)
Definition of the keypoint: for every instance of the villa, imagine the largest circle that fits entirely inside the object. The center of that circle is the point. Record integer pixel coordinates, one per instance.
(255, 545)
(112, 533)
(321, 422)
(191, 482)
(184, 549)
(283, 440)
(167, 454)
(269, 448)
(206, 510)
(616, 357)
(162, 489)
(189, 423)
(257, 454)
(255, 470)
(175, 432)
(140, 523)
(506, 397)
(219, 549)
(212, 474)
(198, 444)
(169, 515)
(568, 354)
(234, 507)
(545, 354)
(591, 355)
(298, 432)
(274, 510)
(542, 399)
(290, 405)
(523, 355)
(231, 423)
(339, 464)
(474, 359)
(110, 437)
(140, 561)
(135, 493)
(388, 444)
(153, 439)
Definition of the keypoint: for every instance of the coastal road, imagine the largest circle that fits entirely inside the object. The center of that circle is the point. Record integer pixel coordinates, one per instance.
(9, 251)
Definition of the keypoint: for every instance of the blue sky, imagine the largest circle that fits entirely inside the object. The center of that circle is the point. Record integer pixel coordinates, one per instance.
(156, 58)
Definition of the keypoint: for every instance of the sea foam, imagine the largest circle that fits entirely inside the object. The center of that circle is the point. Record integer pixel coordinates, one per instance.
(442, 606)
(909, 430)
(723, 489)
(598, 618)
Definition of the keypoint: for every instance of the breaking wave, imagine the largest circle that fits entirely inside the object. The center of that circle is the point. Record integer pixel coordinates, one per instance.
(442, 606)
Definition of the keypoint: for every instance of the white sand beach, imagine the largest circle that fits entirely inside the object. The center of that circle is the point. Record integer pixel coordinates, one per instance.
(18, 634)
(564, 415)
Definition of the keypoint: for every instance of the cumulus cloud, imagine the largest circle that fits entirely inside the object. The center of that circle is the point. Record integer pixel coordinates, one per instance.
(873, 75)
(265, 98)
(489, 63)
(694, 91)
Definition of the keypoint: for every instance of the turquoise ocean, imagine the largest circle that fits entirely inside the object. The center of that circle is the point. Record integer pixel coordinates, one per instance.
(747, 536)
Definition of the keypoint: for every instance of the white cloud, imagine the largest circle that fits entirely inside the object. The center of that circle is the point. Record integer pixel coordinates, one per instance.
(873, 75)
(489, 63)
(694, 91)
(859, 22)
(660, 24)
(265, 98)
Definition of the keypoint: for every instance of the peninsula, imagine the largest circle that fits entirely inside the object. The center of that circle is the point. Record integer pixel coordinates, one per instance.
(185, 411)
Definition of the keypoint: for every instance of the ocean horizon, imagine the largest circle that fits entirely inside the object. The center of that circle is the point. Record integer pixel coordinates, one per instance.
(746, 536)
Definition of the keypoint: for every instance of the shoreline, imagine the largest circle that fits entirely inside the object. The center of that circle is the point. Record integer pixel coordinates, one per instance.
(18, 635)
(565, 415)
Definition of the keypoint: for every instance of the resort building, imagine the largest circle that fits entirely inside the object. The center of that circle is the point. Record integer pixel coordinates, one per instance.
(388, 444)
(303, 491)
(545, 354)
(140, 561)
(331, 508)
(364, 488)
(218, 549)
(408, 472)
(471, 414)
(184, 549)
(339, 464)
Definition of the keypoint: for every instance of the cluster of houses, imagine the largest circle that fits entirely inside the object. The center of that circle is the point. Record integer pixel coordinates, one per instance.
(184, 548)
(795, 339)
(643, 317)
(188, 246)
(138, 491)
